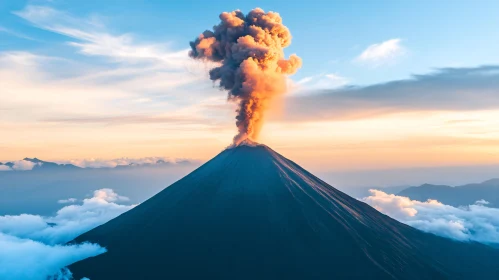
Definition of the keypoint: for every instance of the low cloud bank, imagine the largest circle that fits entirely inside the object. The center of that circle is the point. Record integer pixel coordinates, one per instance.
(111, 163)
(446, 89)
(28, 259)
(33, 246)
(18, 165)
(471, 223)
(24, 165)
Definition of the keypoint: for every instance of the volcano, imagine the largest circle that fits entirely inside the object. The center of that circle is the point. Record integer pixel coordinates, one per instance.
(250, 213)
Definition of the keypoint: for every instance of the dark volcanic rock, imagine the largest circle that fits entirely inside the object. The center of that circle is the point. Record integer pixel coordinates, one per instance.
(250, 213)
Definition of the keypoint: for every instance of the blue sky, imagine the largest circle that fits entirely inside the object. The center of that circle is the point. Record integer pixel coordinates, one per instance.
(328, 35)
(383, 83)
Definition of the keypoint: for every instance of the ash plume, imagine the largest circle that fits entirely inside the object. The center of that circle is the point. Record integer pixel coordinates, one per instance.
(252, 65)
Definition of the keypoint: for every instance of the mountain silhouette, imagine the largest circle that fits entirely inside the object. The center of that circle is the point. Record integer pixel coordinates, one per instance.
(250, 213)
(457, 196)
(44, 165)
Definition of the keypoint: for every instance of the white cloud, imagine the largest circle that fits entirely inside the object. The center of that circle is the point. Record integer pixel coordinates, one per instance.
(69, 200)
(142, 100)
(5, 168)
(108, 195)
(14, 33)
(23, 165)
(322, 81)
(482, 202)
(32, 245)
(92, 38)
(380, 53)
(474, 222)
(24, 259)
(69, 222)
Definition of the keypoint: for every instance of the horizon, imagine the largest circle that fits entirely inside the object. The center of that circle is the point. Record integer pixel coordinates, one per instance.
(82, 82)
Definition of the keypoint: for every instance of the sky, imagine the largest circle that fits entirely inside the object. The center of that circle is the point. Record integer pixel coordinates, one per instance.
(384, 84)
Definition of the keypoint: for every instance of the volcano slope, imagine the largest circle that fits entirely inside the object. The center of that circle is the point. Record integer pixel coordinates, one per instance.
(250, 213)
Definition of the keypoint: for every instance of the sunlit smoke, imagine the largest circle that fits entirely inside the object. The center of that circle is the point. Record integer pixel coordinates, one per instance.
(252, 65)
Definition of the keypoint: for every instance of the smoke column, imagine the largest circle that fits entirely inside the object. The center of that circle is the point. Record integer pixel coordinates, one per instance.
(252, 65)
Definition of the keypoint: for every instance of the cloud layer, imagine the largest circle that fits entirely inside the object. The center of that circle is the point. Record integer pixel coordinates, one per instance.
(23, 165)
(111, 163)
(447, 89)
(18, 165)
(25, 259)
(472, 223)
(32, 245)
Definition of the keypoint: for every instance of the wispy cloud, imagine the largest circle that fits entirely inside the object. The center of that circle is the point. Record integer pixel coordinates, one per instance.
(93, 39)
(146, 78)
(323, 81)
(116, 120)
(382, 53)
(15, 33)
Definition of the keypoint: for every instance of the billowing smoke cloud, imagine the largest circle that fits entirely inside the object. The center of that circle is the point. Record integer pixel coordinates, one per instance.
(32, 245)
(472, 223)
(252, 66)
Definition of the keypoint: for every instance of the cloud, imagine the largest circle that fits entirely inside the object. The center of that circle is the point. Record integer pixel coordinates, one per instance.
(129, 81)
(108, 195)
(25, 259)
(381, 53)
(116, 120)
(92, 38)
(15, 34)
(5, 168)
(146, 78)
(69, 200)
(32, 245)
(447, 89)
(82, 95)
(323, 81)
(23, 165)
(472, 223)
(111, 163)
(482, 202)
(69, 222)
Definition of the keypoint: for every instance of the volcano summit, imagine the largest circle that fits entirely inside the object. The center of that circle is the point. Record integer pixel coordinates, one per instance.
(250, 213)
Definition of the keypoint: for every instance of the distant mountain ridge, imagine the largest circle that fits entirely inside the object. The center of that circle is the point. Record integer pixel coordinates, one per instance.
(40, 165)
(47, 165)
(457, 196)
